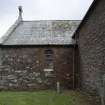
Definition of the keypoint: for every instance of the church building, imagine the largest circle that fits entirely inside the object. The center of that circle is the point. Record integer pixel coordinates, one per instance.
(38, 54)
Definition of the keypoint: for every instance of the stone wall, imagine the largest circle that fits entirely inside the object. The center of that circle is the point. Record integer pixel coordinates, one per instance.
(92, 46)
(24, 67)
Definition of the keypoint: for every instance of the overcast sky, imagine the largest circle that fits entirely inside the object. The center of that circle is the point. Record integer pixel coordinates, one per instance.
(41, 10)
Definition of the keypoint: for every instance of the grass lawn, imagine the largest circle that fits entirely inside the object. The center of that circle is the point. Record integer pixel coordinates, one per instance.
(46, 97)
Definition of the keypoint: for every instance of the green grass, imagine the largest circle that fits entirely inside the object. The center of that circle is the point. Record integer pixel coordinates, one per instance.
(43, 98)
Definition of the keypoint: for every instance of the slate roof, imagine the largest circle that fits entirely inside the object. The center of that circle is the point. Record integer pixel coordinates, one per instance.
(41, 32)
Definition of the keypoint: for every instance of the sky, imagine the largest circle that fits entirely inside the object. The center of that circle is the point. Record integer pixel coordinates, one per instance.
(41, 10)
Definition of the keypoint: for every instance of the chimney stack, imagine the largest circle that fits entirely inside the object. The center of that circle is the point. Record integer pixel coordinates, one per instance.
(20, 11)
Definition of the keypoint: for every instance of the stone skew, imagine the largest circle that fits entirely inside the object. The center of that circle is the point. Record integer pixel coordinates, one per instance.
(13, 27)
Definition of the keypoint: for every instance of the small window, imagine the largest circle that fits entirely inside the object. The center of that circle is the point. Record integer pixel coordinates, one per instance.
(49, 58)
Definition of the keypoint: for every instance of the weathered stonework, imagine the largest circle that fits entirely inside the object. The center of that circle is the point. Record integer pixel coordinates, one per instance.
(91, 45)
(22, 68)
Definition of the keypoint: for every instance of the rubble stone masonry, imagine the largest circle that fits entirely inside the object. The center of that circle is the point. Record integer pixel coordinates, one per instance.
(91, 45)
(23, 68)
